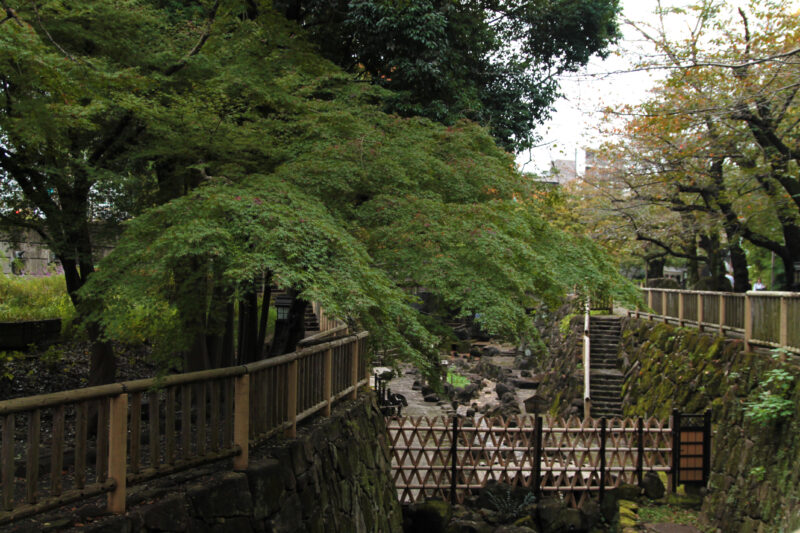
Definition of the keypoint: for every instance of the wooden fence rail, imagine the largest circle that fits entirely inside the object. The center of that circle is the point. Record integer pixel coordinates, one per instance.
(50, 456)
(763, 318)
(452, 458)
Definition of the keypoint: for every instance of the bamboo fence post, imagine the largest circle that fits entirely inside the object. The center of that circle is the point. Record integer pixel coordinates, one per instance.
(328, 379)
(136, 431)
(602, 458)
(169, 426)
(640, 450)
(537, 457)
(783, 335)
(215, 416)
(748, 322)
(681, 304)
(291, 399)
(201, 418)
(722, 314)
(706, 446)
(241, 421)
(101, 459)
(153, 431)
(454, 462)
(32, 464)
(649, 303)
(8, 462)
(700, 311)
(675, 422)
(664, 306)
(57, 451)
(186, 421)
(354, 370)
(117, 451)
(81, 425)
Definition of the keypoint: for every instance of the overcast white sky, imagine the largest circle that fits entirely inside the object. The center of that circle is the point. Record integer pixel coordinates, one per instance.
(575, 121)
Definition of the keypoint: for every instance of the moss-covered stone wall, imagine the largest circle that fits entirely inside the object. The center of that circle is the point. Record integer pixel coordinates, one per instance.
(560, 366)
(334, 477)
(755, 472)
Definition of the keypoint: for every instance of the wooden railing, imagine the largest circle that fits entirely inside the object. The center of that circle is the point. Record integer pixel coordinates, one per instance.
(453, 458)
(146, 428)
(326, 322)
(592, 303)
(587, 361)
(764, 318)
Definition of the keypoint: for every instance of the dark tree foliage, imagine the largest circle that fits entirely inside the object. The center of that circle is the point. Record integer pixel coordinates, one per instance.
(491, 61)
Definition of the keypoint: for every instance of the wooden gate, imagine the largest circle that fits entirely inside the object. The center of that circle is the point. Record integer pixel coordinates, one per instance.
(451, 458)
(692, 445)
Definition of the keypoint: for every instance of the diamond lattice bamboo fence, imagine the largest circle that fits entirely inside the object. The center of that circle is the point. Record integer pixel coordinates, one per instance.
(452, 458)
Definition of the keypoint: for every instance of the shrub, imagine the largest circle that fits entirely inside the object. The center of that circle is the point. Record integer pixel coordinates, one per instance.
(772, 404)
(457, 380)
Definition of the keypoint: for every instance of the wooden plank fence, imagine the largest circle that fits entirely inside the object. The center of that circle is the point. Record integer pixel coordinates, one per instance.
(452, 458)
(764, 318)
(50, 456)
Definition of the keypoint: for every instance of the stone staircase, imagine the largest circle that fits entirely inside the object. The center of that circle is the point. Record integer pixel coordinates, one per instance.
(605, 377)
(311, 322)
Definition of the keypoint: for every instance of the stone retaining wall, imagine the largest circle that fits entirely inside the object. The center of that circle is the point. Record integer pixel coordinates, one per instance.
(754, 482)
(335, 477)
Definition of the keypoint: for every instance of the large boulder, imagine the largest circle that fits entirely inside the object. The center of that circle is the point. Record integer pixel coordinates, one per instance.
(652, 485)
(490, 351)
(429, 517)
(501, 388)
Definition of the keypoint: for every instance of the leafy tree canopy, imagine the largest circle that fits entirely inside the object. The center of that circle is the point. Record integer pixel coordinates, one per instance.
(242, 151)
(491, 61)
(716, 145)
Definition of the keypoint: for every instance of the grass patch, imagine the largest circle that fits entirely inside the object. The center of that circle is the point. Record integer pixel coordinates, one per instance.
(34, 298)
(673, 514)
(457, 380)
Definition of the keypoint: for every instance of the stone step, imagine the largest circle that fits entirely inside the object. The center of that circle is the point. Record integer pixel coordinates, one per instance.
(601, 407)
(601, 386)
(605, 383)
(606, 414)
(608, 358)
(606, 406)
(606, 397)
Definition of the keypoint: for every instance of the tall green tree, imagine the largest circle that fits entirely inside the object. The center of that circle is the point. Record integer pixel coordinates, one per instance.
(240, 153)
(492, 61)
(717, 141)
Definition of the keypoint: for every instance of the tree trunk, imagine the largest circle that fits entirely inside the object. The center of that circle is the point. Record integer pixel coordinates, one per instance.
(215, 324)
(262, 329)
(741, 277)
(248, 326)
(102, 361)
(227, 353)
(715, 262)
(655, 267)
(791, 257)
